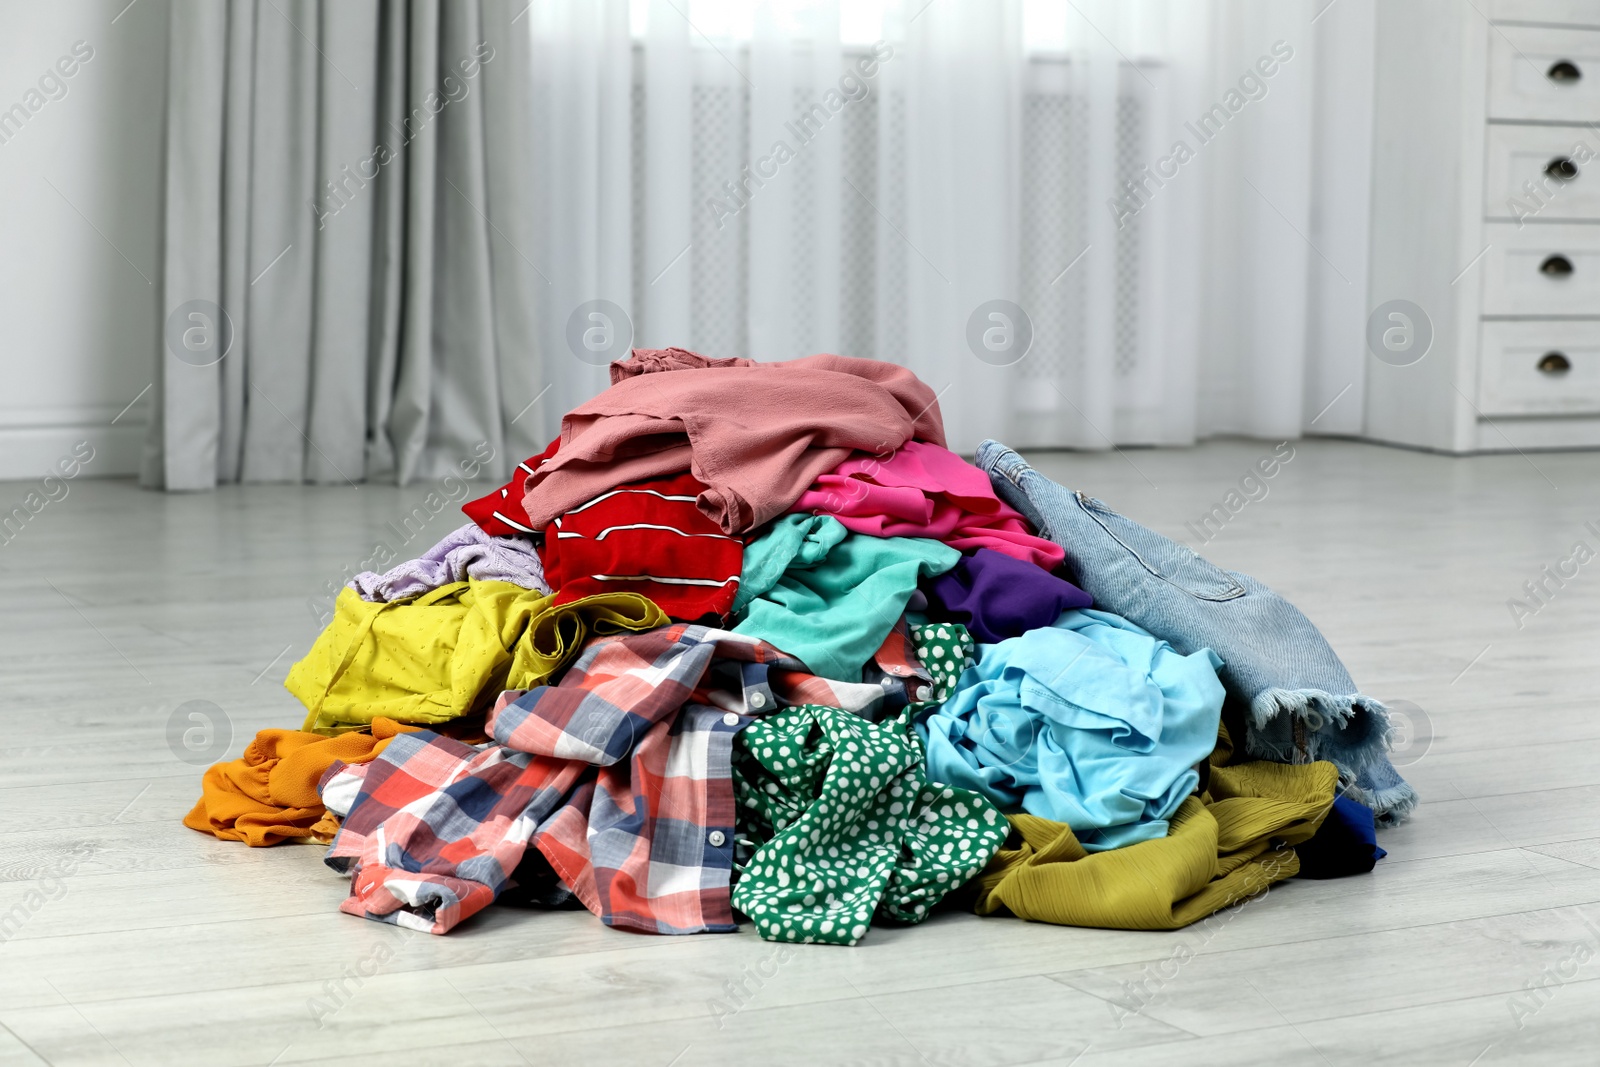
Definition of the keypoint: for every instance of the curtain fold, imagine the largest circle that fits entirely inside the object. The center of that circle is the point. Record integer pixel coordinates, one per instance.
(334, 171)
(1253, 373)
(1166, 299)
(431, 224)
(1085, 408)
(961, 182)
(337, 383)
(578, 275)
(185, 420)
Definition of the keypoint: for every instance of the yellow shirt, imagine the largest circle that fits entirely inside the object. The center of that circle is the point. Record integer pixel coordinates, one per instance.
(449, 652)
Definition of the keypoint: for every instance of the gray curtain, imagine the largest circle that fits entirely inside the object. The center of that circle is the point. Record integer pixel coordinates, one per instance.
(343, 183)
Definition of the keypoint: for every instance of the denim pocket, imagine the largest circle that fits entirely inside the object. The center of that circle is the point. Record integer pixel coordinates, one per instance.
(1165, 559)
(1010, 467)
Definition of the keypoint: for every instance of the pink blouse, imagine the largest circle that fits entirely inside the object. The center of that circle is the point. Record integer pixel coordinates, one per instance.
(923, 490)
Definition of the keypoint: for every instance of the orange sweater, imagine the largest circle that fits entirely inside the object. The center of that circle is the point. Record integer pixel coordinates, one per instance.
(270, 793)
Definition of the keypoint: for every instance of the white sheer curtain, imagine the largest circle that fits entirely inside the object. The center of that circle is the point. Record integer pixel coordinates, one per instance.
(763, 179)
(581, 234)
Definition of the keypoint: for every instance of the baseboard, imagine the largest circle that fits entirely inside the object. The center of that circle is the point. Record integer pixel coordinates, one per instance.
(1545, 433)
(28, 453)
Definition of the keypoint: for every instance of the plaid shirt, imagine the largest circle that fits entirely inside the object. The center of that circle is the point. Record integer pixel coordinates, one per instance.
(620, 776)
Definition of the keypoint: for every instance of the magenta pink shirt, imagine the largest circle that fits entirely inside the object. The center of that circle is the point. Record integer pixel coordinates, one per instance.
(923, 490)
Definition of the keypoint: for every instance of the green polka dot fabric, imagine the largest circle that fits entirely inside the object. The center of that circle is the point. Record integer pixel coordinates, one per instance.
(945, 650)
(846, 826)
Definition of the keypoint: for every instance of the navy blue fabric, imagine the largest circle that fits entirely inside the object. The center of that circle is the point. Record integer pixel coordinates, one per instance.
(1346, 843)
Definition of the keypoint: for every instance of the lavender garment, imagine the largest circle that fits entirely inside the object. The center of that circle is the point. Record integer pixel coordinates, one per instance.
(465, 553)
(997, 596)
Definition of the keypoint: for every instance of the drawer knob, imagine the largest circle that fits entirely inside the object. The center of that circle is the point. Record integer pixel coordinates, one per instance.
(1554, 363)
(1556, 266)
(1563, 72)
(1562, 169)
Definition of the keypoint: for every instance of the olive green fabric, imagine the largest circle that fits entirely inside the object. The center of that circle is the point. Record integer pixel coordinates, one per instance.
(1224, 845)
(449, 652)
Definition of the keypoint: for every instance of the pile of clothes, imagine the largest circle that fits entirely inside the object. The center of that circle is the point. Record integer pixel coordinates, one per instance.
(747, 640)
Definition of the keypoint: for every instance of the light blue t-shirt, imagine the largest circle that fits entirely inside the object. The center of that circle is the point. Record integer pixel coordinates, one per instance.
(1090, 721)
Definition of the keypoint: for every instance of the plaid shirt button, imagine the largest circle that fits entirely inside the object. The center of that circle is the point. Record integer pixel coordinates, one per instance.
(717, 838)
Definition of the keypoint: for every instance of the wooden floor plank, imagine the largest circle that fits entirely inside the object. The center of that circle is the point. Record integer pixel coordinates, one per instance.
(164, 946)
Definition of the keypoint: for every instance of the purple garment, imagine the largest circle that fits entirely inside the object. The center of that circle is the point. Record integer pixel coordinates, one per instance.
(465, 553)
(996, 596)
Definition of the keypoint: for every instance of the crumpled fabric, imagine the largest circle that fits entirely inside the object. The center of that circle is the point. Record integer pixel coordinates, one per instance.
(620, 776)
(827, 596)
(996, 596)
(653, 360)
(1224, 846)
(1303, 704)
(1346, 844)
(269, 794)
(849, 826)
(449, 652)
(467, 553)
(757, 434)
(500, 512)
(923, 490)
(1091, 722)
(944, 649)
(647, 538)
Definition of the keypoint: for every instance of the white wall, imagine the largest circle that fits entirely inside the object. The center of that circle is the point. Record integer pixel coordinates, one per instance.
(78, 319)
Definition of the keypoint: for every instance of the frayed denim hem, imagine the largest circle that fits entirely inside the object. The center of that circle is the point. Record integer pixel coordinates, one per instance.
(1289, 725)
(1392, 805)
(1380, 787)
(1351, 732)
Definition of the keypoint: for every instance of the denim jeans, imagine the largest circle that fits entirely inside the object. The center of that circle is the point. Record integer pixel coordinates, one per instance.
(1302, 702)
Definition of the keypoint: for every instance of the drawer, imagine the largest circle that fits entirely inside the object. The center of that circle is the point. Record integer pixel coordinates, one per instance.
(1550, 75)
(1560, 163)
(1560, 12)
(1539, 368)
(1541, 269)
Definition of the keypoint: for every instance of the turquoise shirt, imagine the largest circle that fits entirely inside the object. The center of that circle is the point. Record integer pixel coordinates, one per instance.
(1091, 722)
(827, 596)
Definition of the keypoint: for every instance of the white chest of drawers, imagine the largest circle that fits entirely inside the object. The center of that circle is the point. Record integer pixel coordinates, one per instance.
(1486, 215)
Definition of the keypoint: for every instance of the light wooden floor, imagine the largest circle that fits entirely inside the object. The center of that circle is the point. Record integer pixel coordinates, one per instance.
(164, 946)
